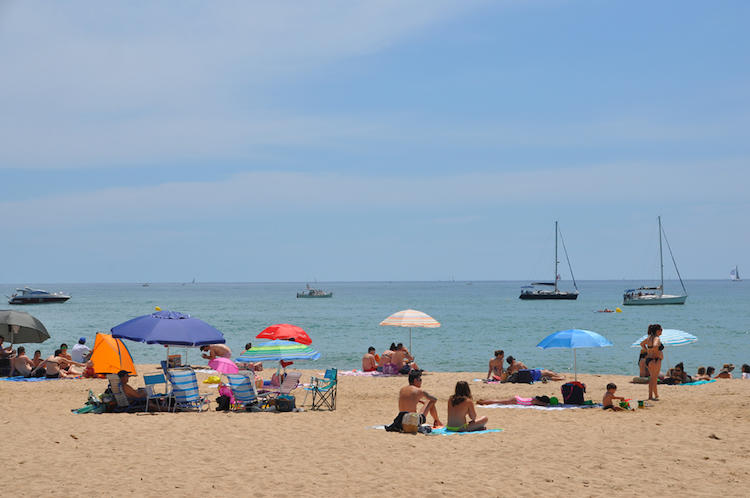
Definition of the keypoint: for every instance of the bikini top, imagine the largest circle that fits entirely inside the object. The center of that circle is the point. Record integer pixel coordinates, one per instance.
(661, 346)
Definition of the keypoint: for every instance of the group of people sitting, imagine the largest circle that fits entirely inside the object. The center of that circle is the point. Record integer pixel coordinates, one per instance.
(60, 364)
(677, 374)
(497, 372)
(394, 360)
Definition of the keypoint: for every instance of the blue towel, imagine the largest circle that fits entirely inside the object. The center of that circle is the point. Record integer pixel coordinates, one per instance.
(445, 432)
(25, 379)
(697, 382)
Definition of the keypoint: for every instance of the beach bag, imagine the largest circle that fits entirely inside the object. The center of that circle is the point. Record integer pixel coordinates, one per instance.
(223, 403)
(285, 403)
(410, 422)
(524, 377)
(572, 393)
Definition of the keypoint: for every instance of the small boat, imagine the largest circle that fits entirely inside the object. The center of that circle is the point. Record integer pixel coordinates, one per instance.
(310, 292)
(734, 275)
(145, 284)
(531, 292)
(27, 295)
(655, 295)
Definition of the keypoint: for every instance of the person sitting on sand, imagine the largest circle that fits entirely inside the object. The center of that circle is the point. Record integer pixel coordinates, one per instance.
(37, 359)
(677, 375)
(408, 399)
(495, 371)
(403, 360)
(514, 366)
(6, 351)
(216, 350)
(745, 371)
(461, 405)
(21, 363)
(609, 397)
(701, 375)
(725, 372)
(710, 372)
(517, 400)
(55, 365)
(368, 361)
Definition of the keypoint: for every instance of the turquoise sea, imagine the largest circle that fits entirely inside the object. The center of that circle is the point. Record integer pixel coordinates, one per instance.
(477, 318)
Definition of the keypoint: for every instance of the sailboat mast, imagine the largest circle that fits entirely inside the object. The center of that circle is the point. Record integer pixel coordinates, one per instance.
(661, 260)
(555, 257)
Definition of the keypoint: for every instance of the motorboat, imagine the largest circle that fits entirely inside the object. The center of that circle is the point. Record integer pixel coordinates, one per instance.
(655, 294)
(310, 292)
(27, 295)
(549, 290)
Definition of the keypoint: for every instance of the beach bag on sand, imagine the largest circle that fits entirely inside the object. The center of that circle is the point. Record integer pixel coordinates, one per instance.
(524, 377)
(572, 393)
(410, 422)
(285, 403)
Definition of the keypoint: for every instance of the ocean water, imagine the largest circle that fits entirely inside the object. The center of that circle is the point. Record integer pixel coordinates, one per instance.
(476, 318)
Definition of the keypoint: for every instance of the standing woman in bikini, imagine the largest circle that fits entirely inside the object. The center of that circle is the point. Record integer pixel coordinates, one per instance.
(654, 354)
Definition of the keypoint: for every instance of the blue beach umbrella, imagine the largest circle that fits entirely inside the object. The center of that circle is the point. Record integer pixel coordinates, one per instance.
(574, 339)
(279, 350)
(168, 328)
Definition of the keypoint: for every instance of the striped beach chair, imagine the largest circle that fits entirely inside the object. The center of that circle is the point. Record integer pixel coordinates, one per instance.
(185, 389)
(243, 389)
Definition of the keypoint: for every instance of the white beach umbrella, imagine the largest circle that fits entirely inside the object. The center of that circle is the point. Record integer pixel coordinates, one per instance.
(411, 318)
(669, 337)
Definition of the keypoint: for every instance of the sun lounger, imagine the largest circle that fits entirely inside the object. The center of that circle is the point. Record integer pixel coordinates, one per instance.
(185, 389)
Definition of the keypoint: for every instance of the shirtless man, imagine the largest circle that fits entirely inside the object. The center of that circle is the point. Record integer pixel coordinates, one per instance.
(496, 366)
(515, 365)
(5, 352)
(403, 360)
(368, 361)
(55, 366)
(216, 350)
(408, 399)
(22, 363)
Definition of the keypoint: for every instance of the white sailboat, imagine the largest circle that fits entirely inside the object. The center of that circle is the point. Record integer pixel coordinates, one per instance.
(655, 295)
(734, 275)
(530, 292)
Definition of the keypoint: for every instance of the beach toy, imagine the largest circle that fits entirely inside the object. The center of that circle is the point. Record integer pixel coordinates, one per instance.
(618, 310)
(212, 379)
(157, 308)
(554, 401)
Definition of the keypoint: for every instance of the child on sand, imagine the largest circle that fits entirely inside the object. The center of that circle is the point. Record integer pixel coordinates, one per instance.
(745, 371)
(609, 396)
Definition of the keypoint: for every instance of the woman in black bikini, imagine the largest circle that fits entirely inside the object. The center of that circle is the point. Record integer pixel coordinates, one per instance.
(642, 370)
(654, 354)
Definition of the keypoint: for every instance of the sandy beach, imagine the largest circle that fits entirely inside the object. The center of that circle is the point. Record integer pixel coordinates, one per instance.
(693, 442)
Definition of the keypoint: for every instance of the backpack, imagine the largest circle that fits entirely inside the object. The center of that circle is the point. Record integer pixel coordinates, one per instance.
(524, 377)
(572, 393)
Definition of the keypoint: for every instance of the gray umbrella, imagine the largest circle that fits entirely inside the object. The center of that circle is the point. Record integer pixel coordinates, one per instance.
(18, 327)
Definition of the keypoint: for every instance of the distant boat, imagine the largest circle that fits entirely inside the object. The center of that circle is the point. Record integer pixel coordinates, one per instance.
(146, 284)
(310, 292)
(655, 295)
(734, 275)
(530, 292)
(27, 295)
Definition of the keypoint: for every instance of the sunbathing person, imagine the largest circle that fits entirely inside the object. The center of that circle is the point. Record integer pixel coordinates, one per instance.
(701, 375)
(249, 365)
(609, 397)
(460, 406)
(495, 371)
(408, 399)
(710, 372)
(514, 366)
(725, 372)
(55, 366)
(677, 375)
(368, 361)
(21, 363)
(216, 350)
(37, 359)
(403, 360)
(6, 351)
(517, 400)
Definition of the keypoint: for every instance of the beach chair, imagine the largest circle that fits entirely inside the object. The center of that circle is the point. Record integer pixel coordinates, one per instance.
(243, 389)
(290, 382)
(323, 390)
(114, 385)
(152, 380)
(185, 389)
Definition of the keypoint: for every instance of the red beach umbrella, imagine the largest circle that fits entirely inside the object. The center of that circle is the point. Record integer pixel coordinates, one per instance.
(286, 332)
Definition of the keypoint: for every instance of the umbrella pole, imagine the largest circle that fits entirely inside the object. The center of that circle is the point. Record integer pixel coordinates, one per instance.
(410, 351)
(575, 366)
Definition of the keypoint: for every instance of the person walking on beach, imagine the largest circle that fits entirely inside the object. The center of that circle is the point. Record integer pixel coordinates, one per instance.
(495, 371)
(408, 399)
(654, 354)
(460, 406)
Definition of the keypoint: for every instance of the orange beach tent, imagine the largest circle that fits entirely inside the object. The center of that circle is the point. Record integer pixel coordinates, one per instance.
(110, 356)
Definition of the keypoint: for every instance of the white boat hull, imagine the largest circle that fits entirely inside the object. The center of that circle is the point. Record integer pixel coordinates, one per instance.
(653, 300)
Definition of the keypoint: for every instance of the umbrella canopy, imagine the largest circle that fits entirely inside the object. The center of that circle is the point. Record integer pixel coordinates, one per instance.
(287, 332)
(169, 328)
(18, 327)
(279, 350)
(574, 339)
(223, 366)
(670, 337)
(411, 318)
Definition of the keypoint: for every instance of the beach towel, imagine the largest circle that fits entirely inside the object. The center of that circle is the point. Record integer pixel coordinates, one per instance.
(445, 432)
(548, 408)
(360, 373)
(30, 379)
(697, 382)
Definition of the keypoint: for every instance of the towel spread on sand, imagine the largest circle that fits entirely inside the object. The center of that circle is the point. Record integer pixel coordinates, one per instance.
(360, 373)
(697, 382)
(27, 379)
(443, 431)
(534, 407)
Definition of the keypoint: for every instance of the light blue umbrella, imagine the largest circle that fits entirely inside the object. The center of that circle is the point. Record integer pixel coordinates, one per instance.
(574, 339)
(670, 337)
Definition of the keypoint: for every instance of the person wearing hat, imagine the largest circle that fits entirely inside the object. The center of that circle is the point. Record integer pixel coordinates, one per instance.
(80, 352)
(725, 372)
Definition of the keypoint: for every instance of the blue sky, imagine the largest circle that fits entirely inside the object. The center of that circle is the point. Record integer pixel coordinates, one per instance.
(390, 140)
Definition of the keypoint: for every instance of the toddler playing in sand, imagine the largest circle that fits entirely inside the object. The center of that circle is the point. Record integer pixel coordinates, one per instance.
(609, 396)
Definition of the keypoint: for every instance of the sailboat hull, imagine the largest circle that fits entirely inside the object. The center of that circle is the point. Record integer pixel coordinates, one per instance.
(539, 295)
(653, 300)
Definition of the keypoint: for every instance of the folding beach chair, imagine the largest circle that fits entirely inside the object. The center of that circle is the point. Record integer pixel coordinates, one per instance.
(243, 389)
(185, 389)
(114, 386)
(323, 390)
(290, 382)
(152, 380)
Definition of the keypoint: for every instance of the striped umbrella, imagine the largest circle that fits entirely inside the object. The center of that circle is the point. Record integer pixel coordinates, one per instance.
(670, 337)
(279, 350)
(411, 318)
